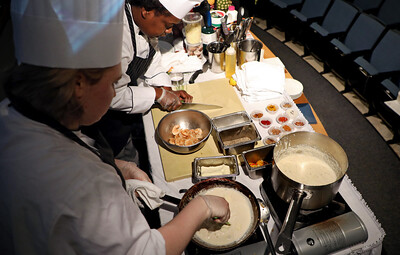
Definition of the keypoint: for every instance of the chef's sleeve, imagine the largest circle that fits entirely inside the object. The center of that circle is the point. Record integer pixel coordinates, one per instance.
(131, 99)
(156, 75)
(102, 219)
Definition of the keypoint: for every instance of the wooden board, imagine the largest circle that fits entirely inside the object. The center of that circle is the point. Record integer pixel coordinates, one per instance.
(219, 92)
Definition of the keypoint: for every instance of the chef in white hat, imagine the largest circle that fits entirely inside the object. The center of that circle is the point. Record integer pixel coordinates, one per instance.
(141, 65)
(63, 193)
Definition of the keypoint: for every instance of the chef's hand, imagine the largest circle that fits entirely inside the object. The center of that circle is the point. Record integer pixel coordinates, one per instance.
(184, 96)
(131, 171)
(218, 207)
(168, 99)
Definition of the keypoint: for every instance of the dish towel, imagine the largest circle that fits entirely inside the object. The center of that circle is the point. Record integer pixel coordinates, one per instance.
(258, 81)
(149, 193)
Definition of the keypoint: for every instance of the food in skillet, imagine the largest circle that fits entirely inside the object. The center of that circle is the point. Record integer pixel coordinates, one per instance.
(240, 220)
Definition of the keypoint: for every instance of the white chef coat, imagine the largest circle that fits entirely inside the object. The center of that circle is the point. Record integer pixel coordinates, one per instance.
(60, 198)
(132, 99)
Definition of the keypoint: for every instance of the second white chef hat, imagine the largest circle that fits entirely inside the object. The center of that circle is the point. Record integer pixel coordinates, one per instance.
(179, 8)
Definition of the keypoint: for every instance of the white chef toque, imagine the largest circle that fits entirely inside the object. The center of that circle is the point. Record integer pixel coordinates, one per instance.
(68, 34)
(179, 8)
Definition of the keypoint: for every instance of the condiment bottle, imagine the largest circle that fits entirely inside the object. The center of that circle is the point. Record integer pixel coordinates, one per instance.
(230, 62)
(232, 15)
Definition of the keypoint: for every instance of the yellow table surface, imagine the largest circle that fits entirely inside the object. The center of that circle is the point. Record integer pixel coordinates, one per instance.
(219, 92)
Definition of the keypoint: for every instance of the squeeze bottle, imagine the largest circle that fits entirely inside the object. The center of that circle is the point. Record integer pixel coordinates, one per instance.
(230, 62)
(232, 15)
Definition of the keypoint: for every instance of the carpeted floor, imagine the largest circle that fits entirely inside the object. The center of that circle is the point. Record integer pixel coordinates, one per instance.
(373, 166)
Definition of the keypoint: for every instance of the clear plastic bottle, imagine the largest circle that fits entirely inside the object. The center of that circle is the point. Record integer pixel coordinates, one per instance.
(230, 62)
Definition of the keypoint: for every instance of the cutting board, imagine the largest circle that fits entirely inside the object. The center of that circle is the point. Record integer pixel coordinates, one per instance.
(179, 166)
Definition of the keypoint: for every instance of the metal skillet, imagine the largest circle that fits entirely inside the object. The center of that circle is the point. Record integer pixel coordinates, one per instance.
(220, 182)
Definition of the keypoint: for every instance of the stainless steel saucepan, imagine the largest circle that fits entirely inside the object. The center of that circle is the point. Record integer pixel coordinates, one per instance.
(300, 194)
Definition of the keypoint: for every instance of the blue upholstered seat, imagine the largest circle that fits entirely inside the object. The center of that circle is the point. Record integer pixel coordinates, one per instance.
(359, 40)
(383, 62)
(389, 13)
(310, 11)
(387, 90)
(368, 6)
(277, 12)
(336, 23)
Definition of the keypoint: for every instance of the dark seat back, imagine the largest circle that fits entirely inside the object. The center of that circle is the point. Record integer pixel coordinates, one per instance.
(339, 17)
(385, 56)
(367, 5)
(314, 8)
(389, 12)
(286, 3)
(364, 33)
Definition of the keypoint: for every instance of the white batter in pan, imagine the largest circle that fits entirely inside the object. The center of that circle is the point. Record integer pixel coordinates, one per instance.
(240, 221)
(308, 165)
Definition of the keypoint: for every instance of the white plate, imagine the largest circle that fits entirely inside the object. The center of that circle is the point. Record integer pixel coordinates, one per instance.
(293, 87)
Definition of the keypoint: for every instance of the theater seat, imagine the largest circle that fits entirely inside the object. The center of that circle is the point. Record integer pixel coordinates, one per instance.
(385, 91)
(277, 12)
(359, 40)
(368, 6)
(383, 62)
(299, 19)
(336, 23)
(389, 13)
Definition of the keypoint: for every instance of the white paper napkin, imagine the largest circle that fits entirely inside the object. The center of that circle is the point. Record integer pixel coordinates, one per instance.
(260, 81)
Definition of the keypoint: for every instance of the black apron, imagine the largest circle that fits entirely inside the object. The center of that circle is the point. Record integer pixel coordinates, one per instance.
(104, 151)
(117, 126)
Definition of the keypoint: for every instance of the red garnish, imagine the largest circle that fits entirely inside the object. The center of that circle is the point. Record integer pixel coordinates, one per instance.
(266, 122)
(282, 119)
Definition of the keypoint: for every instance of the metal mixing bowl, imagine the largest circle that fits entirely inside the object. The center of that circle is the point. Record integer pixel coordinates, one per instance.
(190, 119)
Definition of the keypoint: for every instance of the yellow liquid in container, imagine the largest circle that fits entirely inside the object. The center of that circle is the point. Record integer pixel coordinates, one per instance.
(193, 33)
(230, 62)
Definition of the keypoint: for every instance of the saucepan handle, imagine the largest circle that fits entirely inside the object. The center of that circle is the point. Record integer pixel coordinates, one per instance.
(284, 240)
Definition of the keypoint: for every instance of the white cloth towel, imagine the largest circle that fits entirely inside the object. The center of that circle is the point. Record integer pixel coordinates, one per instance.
(258, 81)
(148, 192)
